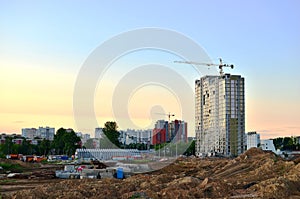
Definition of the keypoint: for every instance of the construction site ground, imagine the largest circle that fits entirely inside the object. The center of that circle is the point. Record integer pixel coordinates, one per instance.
(254, 174)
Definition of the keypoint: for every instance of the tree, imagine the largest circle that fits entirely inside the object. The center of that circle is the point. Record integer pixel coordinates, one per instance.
(7, 147)
(44, 147)
(65, 142)
(111, 134)
(286, 143)
(191, 150)
(25, 148)
(90, 143)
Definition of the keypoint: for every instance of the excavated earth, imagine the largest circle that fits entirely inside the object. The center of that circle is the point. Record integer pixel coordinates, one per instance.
(254, 174)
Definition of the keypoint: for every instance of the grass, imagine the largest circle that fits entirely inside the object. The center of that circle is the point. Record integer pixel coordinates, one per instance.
(8, 166)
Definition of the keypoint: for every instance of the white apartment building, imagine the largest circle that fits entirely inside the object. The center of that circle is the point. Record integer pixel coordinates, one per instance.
(46, 133)
(253, 139)
(30, 133)
(131, 136)
(220, 115)
(42, 132)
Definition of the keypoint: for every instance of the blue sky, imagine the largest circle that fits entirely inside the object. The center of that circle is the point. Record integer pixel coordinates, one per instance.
(53, 38)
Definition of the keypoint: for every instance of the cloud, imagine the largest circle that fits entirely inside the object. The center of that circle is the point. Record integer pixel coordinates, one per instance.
(292, 127)
(19, 121)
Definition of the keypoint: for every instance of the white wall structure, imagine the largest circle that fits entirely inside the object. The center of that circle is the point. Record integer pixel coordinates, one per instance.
(220, 115)
(267, 145)
(105, 154)
(253, 139)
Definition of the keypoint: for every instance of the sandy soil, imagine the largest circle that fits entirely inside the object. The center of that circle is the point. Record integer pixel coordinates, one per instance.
(254, 174)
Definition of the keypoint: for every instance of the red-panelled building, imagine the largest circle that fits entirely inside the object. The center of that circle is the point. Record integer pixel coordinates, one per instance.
(159, 136)
(175, 131)
(179, 131)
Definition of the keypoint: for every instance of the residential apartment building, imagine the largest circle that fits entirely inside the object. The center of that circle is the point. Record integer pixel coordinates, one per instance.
(220, 115)
(132, 136)
(30, 133)
(178, 131)
(253, 139)
(46, 133)
(175, 131)
(161, 132)
(43, 133)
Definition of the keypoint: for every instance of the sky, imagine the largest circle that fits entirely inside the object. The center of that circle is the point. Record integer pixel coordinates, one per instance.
(44, 45)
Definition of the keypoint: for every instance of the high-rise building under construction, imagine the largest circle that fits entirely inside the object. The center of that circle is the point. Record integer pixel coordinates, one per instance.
(220, 115)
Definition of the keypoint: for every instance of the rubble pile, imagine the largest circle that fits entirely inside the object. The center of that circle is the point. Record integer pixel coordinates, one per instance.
(254, 174)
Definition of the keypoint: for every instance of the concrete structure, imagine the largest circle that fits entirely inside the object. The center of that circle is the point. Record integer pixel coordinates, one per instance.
(159, 136)
(253, 139)
(83, 136)
(4, 136)
(106, 154)
(17, 141)
(46, 133)
(267, 145)
(131, 136)
(43, 133)
(98, 132)
(30, 133)
(178, 131)
(160, 133)
(220, 115)
(175, 131)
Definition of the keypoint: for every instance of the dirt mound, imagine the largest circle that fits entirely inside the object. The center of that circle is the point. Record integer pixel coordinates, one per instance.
(254, 174)
(256, 152)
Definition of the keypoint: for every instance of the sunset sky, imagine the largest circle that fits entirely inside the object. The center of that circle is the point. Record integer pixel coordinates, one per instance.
(43, 45)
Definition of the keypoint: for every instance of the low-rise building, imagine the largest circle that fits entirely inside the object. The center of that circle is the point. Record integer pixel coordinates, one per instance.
(267, 145)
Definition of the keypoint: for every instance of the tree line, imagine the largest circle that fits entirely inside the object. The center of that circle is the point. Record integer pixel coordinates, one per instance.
(286, 143)
(65, 142)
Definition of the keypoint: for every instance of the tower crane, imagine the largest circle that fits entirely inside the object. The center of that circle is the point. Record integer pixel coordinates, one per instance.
(169, 129)
(221, 65)
(169, 115)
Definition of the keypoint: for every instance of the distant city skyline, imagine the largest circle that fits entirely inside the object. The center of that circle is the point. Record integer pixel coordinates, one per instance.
(44, 45)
